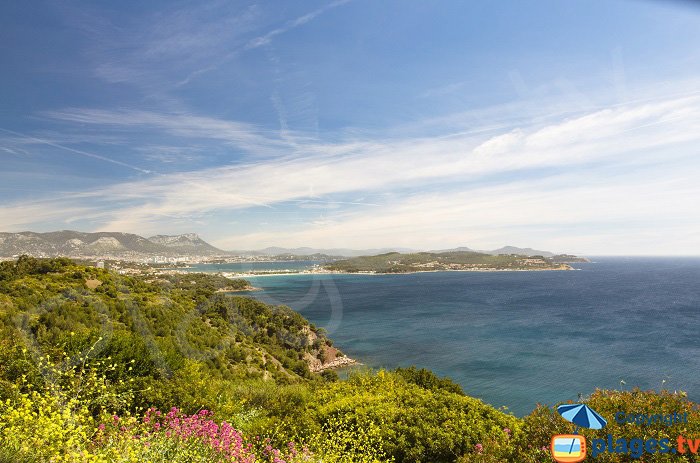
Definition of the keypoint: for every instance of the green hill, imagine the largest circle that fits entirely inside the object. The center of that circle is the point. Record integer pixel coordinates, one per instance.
(164, 321)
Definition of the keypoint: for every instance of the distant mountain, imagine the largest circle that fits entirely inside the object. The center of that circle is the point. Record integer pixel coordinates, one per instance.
(459, 249)
(345, 252)
(520, 251)
(125, 245)
(503, 250)
(306, 251)
(107, 244)
(189, 243)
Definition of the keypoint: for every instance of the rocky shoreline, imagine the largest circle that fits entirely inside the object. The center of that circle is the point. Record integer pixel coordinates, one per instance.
(339, 362)
(236, 290)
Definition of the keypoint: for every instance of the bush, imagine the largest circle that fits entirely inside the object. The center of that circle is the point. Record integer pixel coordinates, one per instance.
(402, 421)
(429, 380)
(69, 420)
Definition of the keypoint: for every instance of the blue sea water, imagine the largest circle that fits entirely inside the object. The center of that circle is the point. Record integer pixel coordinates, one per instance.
(245, 267)
(517, 338)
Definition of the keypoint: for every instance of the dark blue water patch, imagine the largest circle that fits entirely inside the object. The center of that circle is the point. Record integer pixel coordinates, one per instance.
(517, 338)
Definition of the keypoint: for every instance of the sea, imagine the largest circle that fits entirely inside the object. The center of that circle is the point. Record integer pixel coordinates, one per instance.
(513, 339)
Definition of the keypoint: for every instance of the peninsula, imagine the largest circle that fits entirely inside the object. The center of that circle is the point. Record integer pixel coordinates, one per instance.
(395, 262)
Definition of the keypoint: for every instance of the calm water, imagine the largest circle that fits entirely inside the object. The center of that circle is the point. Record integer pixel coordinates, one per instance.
(243, 267)
(517, 338)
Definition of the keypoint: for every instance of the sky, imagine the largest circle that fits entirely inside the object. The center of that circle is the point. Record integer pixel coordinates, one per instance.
(568, 126)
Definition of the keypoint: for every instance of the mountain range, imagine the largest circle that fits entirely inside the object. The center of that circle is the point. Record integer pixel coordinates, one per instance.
(123, 245)
(306, 251)
(108, 244)
(503, 250)
(345, 252)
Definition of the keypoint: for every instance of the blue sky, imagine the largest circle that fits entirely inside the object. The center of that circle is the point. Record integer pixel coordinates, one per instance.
(570, 126)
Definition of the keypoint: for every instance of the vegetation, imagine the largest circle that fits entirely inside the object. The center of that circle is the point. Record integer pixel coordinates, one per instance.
(173, 330)
(202, 282)
(98, 367)
(394, 262)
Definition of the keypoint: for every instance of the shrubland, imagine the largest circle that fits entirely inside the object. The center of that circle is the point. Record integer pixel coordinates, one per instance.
(96, 366)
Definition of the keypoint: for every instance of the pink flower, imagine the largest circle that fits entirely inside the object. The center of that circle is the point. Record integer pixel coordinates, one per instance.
(479, 448)
(222, 437)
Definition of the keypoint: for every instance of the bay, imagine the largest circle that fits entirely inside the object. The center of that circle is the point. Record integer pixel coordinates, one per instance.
(515, 339)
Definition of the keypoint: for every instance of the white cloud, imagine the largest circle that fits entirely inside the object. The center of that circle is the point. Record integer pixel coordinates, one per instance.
(500, 144)
(558, 213)
(23, 215)
(632, 137)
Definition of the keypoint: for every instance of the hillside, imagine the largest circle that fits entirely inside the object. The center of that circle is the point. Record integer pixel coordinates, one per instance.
(101, 244)
(164, 319)
(395, 262)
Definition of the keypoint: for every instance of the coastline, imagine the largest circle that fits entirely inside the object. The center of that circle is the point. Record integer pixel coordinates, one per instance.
(330, 272)
(339, 362)
(238, 290)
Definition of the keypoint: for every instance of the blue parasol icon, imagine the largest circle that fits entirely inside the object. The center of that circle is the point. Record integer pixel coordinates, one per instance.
(582, 415)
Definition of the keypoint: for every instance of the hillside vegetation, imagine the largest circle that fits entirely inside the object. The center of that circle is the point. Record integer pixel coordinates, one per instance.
(97, 367)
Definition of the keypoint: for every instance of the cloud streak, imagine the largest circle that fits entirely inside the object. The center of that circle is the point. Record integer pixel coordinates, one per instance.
(293, 24)
(556, 166)
(261, 40)
(41, 141)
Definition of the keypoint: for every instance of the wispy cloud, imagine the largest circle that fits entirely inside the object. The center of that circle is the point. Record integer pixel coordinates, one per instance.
(25, 214)
(14, 151)
(556, 165)
(169, 49)
(35, 140)
(259, 41)
(443, 90)
(167, 154)
(293, 24)
(182, 125)
(154, 51)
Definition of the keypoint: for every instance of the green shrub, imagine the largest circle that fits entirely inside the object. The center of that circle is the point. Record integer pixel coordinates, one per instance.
(429, 380)
(405, 422)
